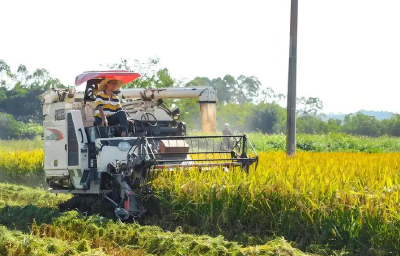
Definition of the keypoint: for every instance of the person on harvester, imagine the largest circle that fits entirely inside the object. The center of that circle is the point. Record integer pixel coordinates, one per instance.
(108, 107)
(227, 140)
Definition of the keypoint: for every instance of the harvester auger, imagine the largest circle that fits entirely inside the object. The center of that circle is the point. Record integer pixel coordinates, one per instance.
(106, 172)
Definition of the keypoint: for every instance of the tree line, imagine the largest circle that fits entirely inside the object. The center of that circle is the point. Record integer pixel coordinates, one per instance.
(242, 102)
(20, 106)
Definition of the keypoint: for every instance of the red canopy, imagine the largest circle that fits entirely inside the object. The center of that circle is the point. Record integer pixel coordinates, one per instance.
(123, 75)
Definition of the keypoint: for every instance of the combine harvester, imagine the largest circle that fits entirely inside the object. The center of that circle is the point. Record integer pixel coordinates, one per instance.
(96, 164)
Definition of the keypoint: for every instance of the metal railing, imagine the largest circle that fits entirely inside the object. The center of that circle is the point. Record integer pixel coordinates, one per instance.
(177, 152)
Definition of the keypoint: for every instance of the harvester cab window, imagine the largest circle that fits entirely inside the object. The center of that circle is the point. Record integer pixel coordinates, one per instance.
(89, 98)
(91, 89)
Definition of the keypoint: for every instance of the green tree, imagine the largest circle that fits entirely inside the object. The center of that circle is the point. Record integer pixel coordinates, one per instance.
(225, 89)
(309, 106)
(22, 75)
(189, 113)
(392, 126)
(360, 124)
(238, 90)
(247, 89)
(8, 127)
(268, 118)
(238, 116)
(311, 125)
(334, 125)
(12, 129)
(40, 76)
(151, 73)
(19, 95)
(5, 73)
(268, 95)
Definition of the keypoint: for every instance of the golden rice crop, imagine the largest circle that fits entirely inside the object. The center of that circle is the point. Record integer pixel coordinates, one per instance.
(334, 179)
(21, 166)
(21, 162)
(341, 199)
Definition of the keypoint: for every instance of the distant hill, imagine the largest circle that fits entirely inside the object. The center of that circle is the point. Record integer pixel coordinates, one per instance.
(380, 115)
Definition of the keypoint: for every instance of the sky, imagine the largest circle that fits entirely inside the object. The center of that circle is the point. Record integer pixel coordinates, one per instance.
(348, 50)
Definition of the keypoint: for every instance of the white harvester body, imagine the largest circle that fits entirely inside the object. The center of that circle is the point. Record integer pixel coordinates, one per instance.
(83, 159)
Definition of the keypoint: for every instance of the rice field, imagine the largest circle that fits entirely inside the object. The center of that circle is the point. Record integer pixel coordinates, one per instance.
(22, 167)
(326, 203)
(344, 200)
(30, 224)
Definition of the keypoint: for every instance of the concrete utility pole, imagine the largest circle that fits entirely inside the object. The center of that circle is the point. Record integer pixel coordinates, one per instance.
(291, 97)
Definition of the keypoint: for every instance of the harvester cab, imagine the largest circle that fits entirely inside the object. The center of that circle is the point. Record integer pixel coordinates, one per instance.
(96, 162)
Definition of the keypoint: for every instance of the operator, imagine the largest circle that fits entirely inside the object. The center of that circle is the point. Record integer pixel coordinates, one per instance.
(227, 141)
(108, 107)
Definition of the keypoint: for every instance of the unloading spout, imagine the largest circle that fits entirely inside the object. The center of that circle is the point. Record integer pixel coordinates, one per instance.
(208, 117)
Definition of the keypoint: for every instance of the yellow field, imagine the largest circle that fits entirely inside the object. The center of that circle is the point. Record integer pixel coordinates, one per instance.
(326, 179)
(21, 161)
(339, 200)
(23, 167)
(346, 200)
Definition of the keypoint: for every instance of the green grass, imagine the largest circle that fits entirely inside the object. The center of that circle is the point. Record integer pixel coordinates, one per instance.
(324, 143)
(267, 143)
(14, 195)
(18, 243)
(42, 230)
(12, 145)
(327, 143)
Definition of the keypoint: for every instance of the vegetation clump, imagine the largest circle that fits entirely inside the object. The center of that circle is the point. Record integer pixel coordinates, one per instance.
(72, 233)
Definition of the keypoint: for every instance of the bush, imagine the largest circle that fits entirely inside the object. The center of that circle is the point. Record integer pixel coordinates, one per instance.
(311, 125)
(8, 126)
(13, 129)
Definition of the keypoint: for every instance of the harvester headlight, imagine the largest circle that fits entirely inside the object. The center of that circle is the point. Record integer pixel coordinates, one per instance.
(124, 146)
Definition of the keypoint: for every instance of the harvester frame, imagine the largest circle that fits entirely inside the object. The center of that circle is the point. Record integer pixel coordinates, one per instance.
(86, 160)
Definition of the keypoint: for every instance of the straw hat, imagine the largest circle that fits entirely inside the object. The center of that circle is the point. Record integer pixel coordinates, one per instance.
(102, 84)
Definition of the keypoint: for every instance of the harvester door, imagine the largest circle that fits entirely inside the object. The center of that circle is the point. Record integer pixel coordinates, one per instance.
(55, 139)
(77, 147)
